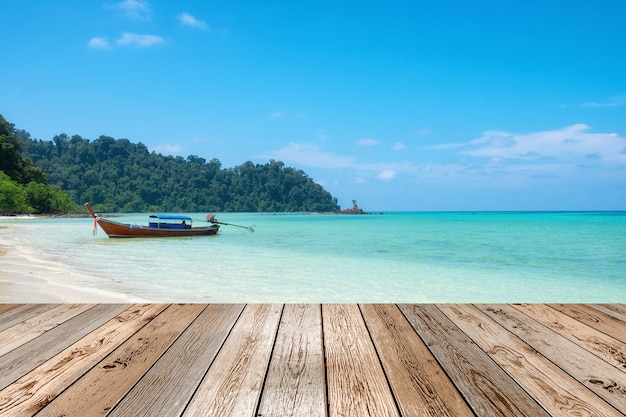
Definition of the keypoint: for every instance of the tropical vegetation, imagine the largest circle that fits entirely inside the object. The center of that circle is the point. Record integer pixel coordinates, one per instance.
(24, 187)
(117, 175)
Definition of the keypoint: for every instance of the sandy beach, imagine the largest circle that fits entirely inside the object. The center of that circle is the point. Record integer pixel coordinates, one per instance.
(26, 279)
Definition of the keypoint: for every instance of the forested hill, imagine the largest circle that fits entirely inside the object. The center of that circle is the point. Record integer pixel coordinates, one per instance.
(116, 175)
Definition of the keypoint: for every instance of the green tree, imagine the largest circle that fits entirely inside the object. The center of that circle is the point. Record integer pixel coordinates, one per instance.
(118, 175)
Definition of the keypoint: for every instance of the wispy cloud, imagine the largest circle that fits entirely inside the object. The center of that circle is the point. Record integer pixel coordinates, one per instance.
(422, 132)
(99, 42)
(614, 101)
(309, 155)
(497, 157)
(135, 9)
(189, 20)
(398, 146)
(135, 39)
(366, 142)
(386, 174)
(277, 114)
(570, 143)
(168, 149)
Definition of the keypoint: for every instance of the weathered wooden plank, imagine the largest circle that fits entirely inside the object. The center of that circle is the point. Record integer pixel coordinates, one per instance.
(168, 386)
(616, 310)
(599, 376)
(24, 312)
(22, 360)
(7, 307)
(420, 386)
(485, 386)
(611, 350)
(36, 389)
(295, 383)
(28, 330)
(356, 382)
(233, 383)
(593, 318)
(550, 386)
(97, 391)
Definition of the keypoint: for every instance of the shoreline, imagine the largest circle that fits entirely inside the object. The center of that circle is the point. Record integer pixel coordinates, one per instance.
(27, 280)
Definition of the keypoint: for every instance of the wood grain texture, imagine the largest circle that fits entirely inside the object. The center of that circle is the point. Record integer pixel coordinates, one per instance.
(593, 318)
(555, 390)
(295, 384)
(233, 383)
(24, 312)
(606, 347)
(39, 387)
(420, 386)
(35, 326)
(485, 386)
(28, 356)
(616, 310)
(168, 386)
(7, 307)
(357, 386)
(602, 378)
(313, 360)
(95, 393)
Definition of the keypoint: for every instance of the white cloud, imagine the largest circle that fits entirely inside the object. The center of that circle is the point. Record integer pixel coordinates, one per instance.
(168, 149)
(278, 113)
(398, 146)
(188, 20)
(99, 43)
(366, 142)
(309, 155)
(497, 157)
(572, 143)
(422, 132)
(614, 101)
(135, 9)
(386, 174)
(130, 39)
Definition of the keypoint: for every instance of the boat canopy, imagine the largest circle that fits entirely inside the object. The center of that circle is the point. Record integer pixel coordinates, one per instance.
(169, 217)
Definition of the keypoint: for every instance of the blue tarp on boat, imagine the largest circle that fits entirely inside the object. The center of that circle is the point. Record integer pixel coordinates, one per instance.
(170, 217)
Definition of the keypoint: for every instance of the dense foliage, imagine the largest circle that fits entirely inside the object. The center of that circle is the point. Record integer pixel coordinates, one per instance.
(23, 186)
(116, 175)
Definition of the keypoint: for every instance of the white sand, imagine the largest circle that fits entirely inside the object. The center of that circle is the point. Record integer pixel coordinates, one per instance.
(24, 279)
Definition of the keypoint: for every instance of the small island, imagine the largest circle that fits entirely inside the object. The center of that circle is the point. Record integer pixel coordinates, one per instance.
(354, 210)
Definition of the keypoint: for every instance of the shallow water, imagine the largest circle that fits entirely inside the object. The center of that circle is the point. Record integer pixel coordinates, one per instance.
(391, 257)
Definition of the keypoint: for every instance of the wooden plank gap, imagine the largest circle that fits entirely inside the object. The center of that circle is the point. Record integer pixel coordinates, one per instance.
(232, 385)
(28, 356)
(553, 388)
(35, 390)
(357, 385)
(167, 387)
(295, 381)
(96, 392)
(484, 385)
(419, 384)
(599, 376)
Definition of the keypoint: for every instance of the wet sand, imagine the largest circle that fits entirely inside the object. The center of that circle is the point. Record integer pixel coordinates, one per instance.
(25, 280)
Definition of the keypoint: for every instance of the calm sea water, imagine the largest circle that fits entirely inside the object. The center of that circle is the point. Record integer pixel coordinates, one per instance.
(391, 257)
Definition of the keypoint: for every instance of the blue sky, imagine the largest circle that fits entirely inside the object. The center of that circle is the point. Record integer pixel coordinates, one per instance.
(401, 105)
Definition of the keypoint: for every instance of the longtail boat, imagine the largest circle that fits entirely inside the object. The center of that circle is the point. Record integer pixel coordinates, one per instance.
(159, 225)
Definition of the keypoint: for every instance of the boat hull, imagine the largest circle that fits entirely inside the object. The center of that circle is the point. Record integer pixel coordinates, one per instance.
(115, 229)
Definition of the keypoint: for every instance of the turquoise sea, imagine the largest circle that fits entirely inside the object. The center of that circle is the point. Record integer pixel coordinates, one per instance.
(392, 257)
